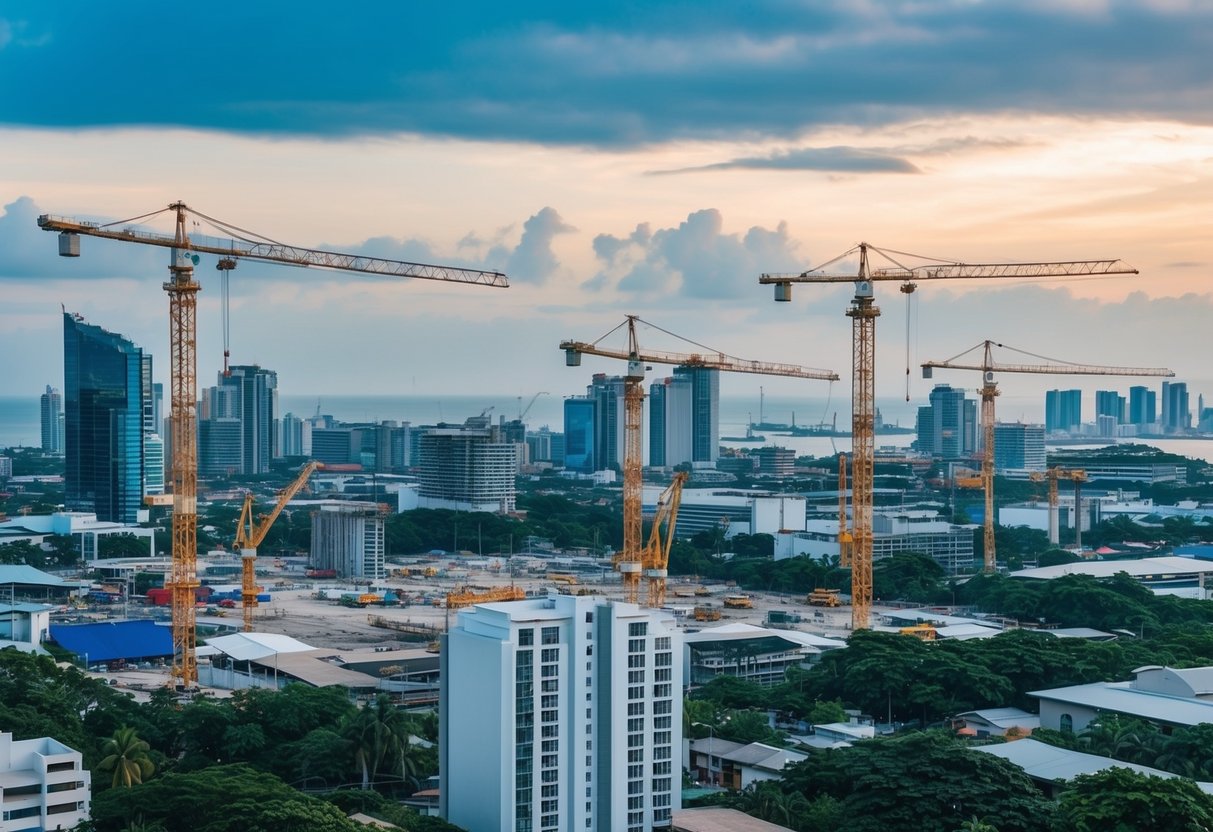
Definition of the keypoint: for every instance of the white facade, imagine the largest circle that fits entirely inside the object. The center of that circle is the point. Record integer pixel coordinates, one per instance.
(560, 714)
(153, 464)
(43, 785)
(468, 469)
(893, 532)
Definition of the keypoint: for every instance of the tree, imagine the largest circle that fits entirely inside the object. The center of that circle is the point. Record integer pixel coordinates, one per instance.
(126, 756)
(378, 734)
(1121, 800)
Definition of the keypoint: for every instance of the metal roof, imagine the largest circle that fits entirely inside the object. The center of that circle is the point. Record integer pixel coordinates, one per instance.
(1138, 568)
(1121, 698)
(28, 575)
(1042, 761)
(21, 607)
(254, 646)
(107, 641)
(749, 632)
(1004, 717)
(718, 819)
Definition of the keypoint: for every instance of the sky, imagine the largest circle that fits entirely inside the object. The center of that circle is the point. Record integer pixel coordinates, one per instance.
(615, 158)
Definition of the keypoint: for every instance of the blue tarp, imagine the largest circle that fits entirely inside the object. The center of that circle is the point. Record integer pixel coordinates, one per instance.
(109, 641)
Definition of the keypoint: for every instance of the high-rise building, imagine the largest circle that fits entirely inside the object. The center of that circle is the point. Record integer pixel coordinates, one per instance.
(1063, 411)
(948, 426)
(258, 412)
(153, 464)
(1176, 412)
(348, 537)
(1110, 403)
(705, 412)
(657, 425)
(1143, 410)
(52, 411)
(607, 393)
(105, 398)
(671, 415)
(562, 713)
(296, 436)
(579, 433)
(468, 468)
(1019, 447)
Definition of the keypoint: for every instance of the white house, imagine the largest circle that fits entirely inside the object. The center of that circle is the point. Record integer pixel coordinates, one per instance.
(43, 785)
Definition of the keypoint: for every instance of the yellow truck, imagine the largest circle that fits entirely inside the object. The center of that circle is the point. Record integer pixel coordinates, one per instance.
(824, 598)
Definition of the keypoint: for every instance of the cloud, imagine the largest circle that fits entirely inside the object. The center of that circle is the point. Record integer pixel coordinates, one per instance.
(30, 252)
(697, 259)
(533, 260)
(604, 74)
(838, 159)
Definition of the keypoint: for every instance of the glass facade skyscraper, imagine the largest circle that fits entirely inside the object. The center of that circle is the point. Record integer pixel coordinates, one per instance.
(52, 421)
(705, 412)
(107, 397)
(579, 431)
(1063, 410)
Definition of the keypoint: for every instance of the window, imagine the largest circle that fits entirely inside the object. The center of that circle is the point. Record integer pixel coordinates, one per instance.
(635, 740)
(635, 802)
(661, 784)
(548, 806)
(663, 659)
(635, 645)
(635, 772)
(550, 776)
(637, 708)
(661, 722)
(662, 707)
(550, 670)
(550, 746)
(549, 716)
(636, 677)
(634, 692)
(636, 724)
(636, 661)
(549, 761)
(551, 731)
(638, 628)
(1067, 724)
(659, 691)
(549, 701)
(550, 654)
(551, 685)
(636, 755)
(662, 643)
(550, 791)
(661, 674)
(589, 713)
(661, 768)
(636, 787)
(526, 637)
(551, 635)
(661, 738)
(662, 753)
(589, 618)
(589, 651)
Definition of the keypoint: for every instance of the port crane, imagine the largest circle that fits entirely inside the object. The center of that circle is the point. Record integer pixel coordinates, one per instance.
(182, 291)
(628, 561)
(1075, 475)
(989, 391)
(863, 314)
(250, 533)
(655, 562)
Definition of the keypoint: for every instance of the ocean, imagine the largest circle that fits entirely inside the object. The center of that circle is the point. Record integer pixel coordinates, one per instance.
(20, 417)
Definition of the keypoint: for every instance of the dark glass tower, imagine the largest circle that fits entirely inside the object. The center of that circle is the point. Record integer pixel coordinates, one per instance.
(107, 395)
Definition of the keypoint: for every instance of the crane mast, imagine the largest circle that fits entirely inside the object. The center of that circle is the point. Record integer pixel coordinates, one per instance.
(182, 292)
(629, 560)
(1076, 475)
(989, 391)
(863, 313)
(844, 534)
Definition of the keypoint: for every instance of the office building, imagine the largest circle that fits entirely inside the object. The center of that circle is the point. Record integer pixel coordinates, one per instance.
(580, 428)
(348, 538)
(43, 785)
(562, 713)
(540, 445)
(296, 436)
(153, 464)
(1176, 413)
(104, 400)
(6, 467)
(220, 447)
(947, 427)
(774, 461)
(248, 398)
(671, 418)
(52, 421)
(607, 393)
(1018, 447)
(1063, 411)
(894, 531)
(468, 468)
(1110, 403)
(1143, 410)
(705, 412)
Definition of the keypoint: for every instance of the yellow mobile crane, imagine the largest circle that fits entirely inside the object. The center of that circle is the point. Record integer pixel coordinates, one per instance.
(989, 391)
(629, 559)
(863, 314)
(655, 562)
(249, 537)
(183, 291)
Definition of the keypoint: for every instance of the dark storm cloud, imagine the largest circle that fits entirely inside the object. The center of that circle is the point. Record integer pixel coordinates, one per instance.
(597, 74)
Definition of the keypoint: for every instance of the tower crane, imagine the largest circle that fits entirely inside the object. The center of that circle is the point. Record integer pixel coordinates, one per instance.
(523, 411)
(863, 314)
(249, 536)
(989, 391)
(183, 291)
(629, 559)
(655, 561)
(844, 533)
(1075, 475)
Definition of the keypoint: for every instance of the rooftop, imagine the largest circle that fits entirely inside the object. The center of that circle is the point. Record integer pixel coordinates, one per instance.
(716, 819)
(1137, 568)
(1122, 698)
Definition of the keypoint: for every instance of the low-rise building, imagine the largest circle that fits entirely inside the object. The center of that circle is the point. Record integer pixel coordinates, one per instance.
(736, 765)
(894, 531)
(756, 654)
(43, 785)
(1165, 575)
(1166, 696)
(24, 626)
(996, 722)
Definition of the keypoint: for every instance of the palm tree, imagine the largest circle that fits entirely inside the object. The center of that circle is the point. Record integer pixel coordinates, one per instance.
(379, 733)
(126, 755)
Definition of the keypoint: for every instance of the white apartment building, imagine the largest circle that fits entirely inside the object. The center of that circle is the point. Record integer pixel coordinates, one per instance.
(469, 468)
(43, 785)
(561, 713)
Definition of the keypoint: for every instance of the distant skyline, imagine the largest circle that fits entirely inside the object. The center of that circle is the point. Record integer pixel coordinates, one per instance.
(616, 159)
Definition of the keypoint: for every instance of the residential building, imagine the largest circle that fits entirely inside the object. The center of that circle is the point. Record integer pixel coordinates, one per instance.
(996, 722)
(562, 713)
(468, 468)
(705, 412)
(737, 766)
(296, 436)
(1112, 404)
(1143, 410)
(756, 654)
(43, 785)
(52, 412)
(107, 385)
(541, 445)
(1169, 697)
(1063, 411)
(947, 427)
(6, 467)
(1176, 413)
(607, 393)
(348, 537)
(579, 432)
(1018, 447)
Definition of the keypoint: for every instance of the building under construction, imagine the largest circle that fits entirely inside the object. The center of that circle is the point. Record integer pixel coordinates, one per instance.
(347, 537)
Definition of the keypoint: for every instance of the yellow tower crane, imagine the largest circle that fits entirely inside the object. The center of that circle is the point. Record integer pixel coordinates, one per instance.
(249, 537)
(629, 559)
(1075, 475)
(844, 533)
(655, 561)
(182, 291)
(863, 314)
(989, 391)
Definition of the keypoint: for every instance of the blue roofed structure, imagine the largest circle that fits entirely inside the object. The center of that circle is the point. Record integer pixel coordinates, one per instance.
(110, 641)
